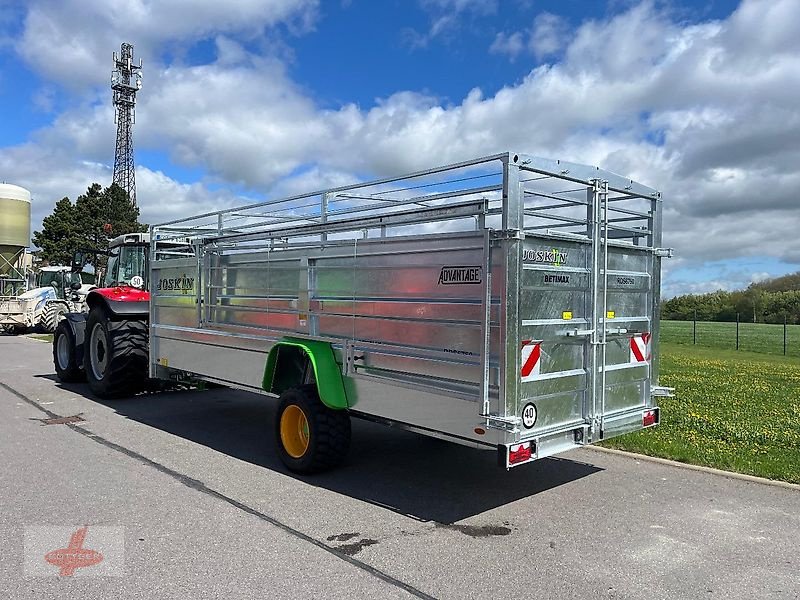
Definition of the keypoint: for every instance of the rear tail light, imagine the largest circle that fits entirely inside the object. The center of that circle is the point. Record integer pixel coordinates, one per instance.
(649, 418)
(518, 453)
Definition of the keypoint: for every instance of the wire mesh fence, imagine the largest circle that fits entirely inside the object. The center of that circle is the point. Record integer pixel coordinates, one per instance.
(748, 337)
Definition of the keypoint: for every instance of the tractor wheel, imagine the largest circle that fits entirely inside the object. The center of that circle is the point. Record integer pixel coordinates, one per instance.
(53, 313)
(115, 355)
(64, 355)
(310, 437)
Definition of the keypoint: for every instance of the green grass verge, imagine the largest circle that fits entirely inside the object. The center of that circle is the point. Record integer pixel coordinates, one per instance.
(737, 411)
(42, 337)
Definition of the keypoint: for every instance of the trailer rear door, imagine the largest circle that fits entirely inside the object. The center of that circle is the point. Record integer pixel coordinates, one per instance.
(587, 313)
(624, 342)
(624, 297)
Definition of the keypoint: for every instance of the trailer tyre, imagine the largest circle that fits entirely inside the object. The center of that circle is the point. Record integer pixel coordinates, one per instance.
(310, 437)
(64, 355)
(53, 314)
(115, 355)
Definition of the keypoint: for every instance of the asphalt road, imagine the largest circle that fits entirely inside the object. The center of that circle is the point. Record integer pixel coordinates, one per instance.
(206, 509)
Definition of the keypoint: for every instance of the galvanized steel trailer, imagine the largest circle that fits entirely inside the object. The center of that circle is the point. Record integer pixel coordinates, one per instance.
(507, 301)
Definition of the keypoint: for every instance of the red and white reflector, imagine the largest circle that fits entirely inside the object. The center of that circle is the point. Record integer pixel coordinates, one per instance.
(649, 418)
(518, 453)
(531, 360)
(640, 348)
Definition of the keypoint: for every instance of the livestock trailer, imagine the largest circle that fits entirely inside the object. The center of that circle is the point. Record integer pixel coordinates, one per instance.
(508, 302)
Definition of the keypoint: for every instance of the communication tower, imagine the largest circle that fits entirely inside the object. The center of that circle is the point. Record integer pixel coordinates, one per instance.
(126, 80)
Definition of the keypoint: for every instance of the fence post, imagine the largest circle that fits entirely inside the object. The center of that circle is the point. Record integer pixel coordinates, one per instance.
(737, 331)
(694, 328)
(784, 335)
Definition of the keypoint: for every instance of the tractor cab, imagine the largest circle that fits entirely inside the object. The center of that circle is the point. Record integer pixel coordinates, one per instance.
(127, 261)
(61, 279)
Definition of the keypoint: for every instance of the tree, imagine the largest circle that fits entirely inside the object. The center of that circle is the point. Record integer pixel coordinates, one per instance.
(785, 283)
(102, 215)
(59, 235)
(97, 216)
(770, 301)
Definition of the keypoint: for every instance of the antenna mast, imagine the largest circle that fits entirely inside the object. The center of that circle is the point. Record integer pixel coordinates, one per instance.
(126, 80)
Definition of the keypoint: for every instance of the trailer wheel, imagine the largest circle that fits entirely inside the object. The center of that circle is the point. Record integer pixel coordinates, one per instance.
(53, 314)
(115, 355)
(64, 355)
(310, 437)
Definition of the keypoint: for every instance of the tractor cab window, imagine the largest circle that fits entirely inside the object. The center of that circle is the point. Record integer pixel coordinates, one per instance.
(51, 278)
(110, 278)
(125, 263)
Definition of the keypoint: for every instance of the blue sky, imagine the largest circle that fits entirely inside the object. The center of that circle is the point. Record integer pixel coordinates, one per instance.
(259, 98)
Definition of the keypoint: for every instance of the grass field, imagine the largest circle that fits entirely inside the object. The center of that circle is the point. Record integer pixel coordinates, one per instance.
(753, 337)
(738, 411)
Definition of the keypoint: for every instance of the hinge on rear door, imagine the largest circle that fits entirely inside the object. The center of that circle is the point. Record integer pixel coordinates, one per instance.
(507, 234)
(664, 252)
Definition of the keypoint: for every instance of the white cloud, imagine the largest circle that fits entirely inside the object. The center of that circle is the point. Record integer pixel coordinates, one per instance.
(69, 41)
(478, 6)
(49, 174)
(547, 36)
(512, 44)
(446, 17)
(163, 199)
(759, 277)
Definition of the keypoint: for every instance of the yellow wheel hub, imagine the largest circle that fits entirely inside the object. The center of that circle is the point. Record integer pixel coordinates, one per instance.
(294, 431)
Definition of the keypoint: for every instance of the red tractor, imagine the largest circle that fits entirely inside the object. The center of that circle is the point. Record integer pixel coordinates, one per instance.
(107, 346)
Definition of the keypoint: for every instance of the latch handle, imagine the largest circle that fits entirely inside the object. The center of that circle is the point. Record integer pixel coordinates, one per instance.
(616, 331)
(659, 391)
(579, 332)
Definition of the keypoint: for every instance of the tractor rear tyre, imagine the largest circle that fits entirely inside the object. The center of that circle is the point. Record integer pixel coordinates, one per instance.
(53, 313)
(64, 355)
(310, 437)
(115, 355)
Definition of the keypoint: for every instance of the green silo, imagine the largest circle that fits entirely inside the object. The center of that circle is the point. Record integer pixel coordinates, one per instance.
(15, 228)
